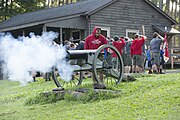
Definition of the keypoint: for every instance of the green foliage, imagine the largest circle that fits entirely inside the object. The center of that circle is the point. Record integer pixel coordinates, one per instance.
(9, 9)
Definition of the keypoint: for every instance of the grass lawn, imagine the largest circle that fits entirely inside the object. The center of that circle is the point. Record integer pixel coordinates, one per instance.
(153, 97)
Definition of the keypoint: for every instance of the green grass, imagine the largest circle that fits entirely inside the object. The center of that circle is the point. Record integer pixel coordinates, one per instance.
(155, 97)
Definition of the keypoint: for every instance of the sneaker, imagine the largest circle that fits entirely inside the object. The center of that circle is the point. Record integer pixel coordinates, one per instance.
(155, 72)
(99, 86)
(150, 72)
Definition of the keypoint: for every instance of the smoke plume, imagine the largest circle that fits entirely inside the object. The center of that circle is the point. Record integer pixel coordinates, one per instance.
(33, 53)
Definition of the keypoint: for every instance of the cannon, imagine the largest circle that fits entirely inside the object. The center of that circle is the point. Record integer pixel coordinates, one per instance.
(106, 60)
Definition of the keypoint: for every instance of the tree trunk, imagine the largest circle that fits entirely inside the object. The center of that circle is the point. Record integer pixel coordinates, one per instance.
(172, 9)
(167, 9)
(59, 2)
(11, 8)
(66, 2)
(161, 4)
(175, 11)
(6, 9)
(44, 4)
(48, 3)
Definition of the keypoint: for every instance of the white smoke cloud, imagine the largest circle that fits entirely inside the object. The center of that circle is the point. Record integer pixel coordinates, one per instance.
(33, 53)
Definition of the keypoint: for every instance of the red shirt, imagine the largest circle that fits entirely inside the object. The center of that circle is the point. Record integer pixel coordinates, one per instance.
(136, 47)
(119, 45)
(92, 42)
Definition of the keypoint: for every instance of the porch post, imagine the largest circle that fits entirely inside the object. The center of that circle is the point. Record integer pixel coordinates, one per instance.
(23, 32)
(60, 35)
(44, 29)
(172, 60)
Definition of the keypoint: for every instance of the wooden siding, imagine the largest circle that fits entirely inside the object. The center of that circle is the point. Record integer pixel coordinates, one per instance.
(128, 14)
(74, 23)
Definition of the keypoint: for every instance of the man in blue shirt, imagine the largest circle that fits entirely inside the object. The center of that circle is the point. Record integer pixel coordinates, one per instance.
(155, 50)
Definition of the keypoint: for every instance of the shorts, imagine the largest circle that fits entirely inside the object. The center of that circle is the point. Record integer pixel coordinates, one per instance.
(149, 64)
(127, 60)
(143, 58)
(123, 58)
(137, 60)
(156, 58)
(162, 62)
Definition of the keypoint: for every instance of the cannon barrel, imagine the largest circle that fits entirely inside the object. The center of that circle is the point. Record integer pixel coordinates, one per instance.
(79, 54)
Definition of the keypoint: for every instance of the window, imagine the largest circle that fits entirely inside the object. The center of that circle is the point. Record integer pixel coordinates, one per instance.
(105, 31)
(130, 33)
(76, 35)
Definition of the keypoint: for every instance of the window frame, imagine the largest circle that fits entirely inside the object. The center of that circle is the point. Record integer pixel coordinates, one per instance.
(131, 31)
(106, 29)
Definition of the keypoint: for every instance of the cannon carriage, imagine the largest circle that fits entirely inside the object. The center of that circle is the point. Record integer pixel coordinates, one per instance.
(105, 60)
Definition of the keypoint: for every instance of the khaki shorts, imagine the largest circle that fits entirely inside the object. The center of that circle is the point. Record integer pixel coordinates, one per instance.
(143, 58)
(127, 60)
(137, 60)
(156, 58)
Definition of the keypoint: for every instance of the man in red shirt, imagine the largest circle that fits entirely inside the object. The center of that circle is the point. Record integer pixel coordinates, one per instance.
(136, 51)
(119, 44)
(94, 41)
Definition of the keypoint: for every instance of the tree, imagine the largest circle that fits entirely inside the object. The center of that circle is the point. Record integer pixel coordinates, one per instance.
(167, 8)
(161, 4)
(172, 8)
(9, 8)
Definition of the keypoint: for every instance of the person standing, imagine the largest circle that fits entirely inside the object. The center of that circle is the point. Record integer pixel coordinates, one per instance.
(148, 56)
(136, 52)
(94, 41)
(80, 46)
(155, 50)
(119, 44)
(143, 58)
(128, 58)
(162, 61)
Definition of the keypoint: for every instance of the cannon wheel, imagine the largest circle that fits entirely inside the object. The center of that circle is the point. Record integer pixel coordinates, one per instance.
(112, 71)
(76, 79)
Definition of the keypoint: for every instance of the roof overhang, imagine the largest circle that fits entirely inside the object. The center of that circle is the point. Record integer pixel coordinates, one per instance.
(39, 22)
(72, 23)
(170, 30)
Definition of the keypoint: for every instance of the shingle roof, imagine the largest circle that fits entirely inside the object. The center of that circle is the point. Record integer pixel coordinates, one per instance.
(83, 7)
(57, 12)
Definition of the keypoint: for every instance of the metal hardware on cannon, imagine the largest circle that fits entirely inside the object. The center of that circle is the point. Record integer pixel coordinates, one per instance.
(96, 61)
